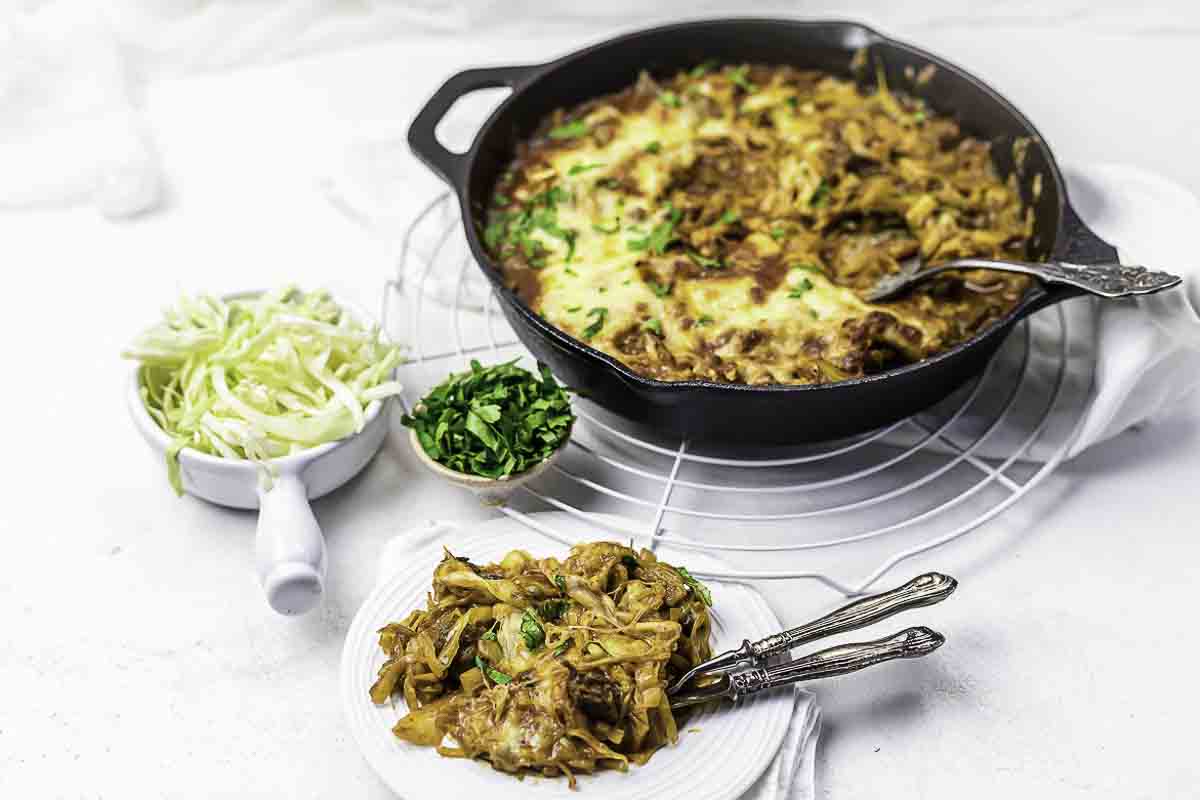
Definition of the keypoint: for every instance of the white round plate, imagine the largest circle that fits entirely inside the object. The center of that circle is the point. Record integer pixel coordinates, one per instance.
(719, 753)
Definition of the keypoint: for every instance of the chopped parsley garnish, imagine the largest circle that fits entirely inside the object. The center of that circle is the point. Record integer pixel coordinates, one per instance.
(562, 647)
(808, 268)
(705, 319)
(729, 217)
(738, 76)
(532, 631)
(535, 252)
(500, 199)
(670, 99)
(552, 610)
(515, 228)
(568, 235)
(573, 309)
(661, 289)
(571, 272)
(492, 421)
(793, 102)
(608, 183)
(654, 326)
(570, 130)
(700, 70)
(598, 316)
(581, 168)
(653, 147)
(616, 226)
(551, 197)
(696, 586)
(493, 234)
(547, 219)
(705, 261)
(778, 233)
(820, 197)
(919, 116)
(800, 288)
(561, 583)
(494, 674)
(661, 236)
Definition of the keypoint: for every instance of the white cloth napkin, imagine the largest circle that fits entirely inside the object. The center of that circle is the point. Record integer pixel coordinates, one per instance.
(1130, 361)
(1149, 348)
(790, 776)
(69, 132)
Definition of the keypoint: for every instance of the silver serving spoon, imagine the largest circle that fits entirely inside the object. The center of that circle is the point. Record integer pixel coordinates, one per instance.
(910, 643)
(923, 590)
(1102, 280)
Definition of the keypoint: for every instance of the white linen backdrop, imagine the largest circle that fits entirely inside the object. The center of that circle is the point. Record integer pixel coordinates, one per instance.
(71, 132)
(70, 69)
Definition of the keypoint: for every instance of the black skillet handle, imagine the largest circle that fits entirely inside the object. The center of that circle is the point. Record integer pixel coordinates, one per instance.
(1080, 244)
(1086, 264)
(421, 137)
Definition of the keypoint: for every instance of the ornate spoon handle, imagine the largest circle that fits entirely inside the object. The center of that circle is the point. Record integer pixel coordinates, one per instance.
(923, 590)
(910, 643)
(1103, 280)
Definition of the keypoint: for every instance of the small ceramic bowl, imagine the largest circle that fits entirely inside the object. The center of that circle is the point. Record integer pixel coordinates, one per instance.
(491, 491)
(289, 546)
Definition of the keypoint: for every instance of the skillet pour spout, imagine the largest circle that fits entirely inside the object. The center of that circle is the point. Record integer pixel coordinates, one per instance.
(776, 414)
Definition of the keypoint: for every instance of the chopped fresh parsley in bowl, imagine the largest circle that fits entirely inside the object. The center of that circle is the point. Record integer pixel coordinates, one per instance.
(496, 422)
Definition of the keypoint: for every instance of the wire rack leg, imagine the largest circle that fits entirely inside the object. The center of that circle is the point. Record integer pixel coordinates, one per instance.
(665, 498)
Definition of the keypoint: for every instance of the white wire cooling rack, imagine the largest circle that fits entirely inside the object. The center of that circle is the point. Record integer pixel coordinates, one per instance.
(816, 512)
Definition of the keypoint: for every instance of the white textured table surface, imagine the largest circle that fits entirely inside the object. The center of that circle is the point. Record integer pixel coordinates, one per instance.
(139, 659)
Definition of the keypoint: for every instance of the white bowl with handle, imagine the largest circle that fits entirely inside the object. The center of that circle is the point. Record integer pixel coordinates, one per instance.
(490, 491)
(289, 546)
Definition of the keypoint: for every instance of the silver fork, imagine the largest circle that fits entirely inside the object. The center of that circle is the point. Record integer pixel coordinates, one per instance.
(910, 643)
(1102, 280)
(923, 590)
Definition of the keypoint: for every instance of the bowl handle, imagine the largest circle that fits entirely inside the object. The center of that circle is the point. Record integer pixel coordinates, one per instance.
(421, 136)
(289, 550)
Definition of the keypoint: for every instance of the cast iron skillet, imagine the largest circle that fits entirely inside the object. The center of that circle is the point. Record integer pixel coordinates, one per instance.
(703, 410)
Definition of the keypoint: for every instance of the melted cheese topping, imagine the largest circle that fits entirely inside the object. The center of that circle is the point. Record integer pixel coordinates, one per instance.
(720, 226)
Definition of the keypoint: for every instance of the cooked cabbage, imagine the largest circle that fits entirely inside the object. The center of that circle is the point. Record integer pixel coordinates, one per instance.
(536, 665)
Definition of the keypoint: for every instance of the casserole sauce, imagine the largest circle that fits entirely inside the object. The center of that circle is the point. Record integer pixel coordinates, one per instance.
(718, 225)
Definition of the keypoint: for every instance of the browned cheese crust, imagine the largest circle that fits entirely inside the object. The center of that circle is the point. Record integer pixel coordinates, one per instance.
(720, 225)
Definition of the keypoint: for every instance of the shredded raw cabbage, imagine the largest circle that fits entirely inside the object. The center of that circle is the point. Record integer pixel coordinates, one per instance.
(260, 377)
